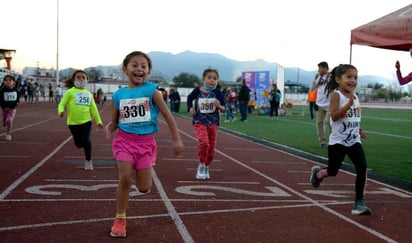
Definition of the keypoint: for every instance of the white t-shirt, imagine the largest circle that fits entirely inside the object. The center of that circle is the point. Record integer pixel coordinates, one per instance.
(321, 98)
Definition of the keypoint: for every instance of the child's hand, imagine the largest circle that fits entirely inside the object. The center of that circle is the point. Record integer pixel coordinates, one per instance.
(178, 147)
(108, 130)
(61, 114)
(361, 133)
(397, 65)
(350, 102)
(192, 112)
(216, 103)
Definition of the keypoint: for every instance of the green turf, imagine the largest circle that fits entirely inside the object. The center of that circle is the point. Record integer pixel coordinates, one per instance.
(387, 146)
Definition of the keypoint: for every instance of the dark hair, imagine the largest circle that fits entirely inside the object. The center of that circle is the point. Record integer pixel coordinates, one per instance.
(9, 76)
(69, 83)
(210, 70)
(126, 60)
(337, 72)
(323, 64)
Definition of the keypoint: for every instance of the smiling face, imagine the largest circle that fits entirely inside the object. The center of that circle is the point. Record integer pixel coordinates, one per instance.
(347, 81)
(137, 70)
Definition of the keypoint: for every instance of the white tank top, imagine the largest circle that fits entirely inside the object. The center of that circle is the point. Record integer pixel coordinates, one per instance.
(321, 99)
(345, 131)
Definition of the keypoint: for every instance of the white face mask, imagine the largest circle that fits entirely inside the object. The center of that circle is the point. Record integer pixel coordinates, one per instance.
(80, 84)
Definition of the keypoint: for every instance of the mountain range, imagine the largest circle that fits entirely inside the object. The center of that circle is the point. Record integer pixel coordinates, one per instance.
(169, 65)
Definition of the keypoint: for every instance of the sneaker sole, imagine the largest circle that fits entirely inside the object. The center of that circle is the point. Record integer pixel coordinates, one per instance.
(117, 236)
(311, 175)
(201, 177)
(365, 212)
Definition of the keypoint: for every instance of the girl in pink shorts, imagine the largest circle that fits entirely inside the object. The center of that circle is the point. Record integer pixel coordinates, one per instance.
(9, 98)
(138, 150)
(134, 112)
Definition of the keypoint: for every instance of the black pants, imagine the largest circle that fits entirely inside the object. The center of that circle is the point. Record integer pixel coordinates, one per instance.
(81, 137)
(336, 154)
(312, 109)
(274, 106)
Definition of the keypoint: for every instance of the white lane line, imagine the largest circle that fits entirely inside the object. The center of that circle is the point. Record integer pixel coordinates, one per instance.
(277, 162)
(14, 156)
(244, 149)
(171, 210)
(174, 200)
(316, 203)
(32, 125)
(181, 159)
(221, 182)
(17, 182)
(186, 238)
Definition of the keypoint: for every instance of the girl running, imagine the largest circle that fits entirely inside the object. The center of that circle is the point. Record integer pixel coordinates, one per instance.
(209, 101)
(346, 134)
(134, 111)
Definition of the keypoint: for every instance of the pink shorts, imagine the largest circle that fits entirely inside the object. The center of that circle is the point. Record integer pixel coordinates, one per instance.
(139, 150)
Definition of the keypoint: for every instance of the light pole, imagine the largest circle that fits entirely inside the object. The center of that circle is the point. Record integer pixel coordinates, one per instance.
(57, 46)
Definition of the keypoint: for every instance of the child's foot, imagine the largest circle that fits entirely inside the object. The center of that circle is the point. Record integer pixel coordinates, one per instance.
(7, 137)
(360, 208)
(88, 165)
(234, 119)
(200, 175)
(119, 228)
(207, 174)
(313, 178)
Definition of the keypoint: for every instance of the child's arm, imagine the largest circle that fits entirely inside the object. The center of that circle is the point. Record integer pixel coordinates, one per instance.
(335, 112)
(112, 125)
(63, 102)
(167, 115)
(95, 113)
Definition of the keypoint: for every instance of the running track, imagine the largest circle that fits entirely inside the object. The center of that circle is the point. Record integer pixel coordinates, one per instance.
(256, 194)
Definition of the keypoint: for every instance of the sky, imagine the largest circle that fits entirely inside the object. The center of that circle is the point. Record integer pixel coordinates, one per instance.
(292, 33)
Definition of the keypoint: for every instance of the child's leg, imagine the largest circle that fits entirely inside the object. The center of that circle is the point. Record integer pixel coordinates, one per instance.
(203, 146)
(9, 115)
(144, 180)
(125, 181)
(87, 144)
(212, 137)
(357, 155)
(81, 137)
(336, 154)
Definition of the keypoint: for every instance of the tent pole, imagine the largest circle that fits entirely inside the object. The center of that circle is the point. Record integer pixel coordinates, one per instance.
(350, 54)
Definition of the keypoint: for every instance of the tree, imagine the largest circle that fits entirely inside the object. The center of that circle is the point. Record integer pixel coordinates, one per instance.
(94, 74)
(185, 80)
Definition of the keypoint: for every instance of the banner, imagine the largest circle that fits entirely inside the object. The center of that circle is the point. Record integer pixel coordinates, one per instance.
(259, 84)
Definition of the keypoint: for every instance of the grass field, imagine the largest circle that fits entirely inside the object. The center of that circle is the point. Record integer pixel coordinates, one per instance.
(387, 146)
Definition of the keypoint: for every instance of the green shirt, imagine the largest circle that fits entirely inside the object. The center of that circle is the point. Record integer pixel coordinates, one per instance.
(80, 105)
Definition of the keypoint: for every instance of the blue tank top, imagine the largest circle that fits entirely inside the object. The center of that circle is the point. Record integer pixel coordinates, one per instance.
(137, 112)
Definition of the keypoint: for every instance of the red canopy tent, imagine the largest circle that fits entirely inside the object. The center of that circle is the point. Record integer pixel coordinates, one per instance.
(392, 31)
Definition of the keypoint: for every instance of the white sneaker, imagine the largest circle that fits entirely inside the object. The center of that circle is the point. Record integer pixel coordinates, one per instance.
(226, 121)
(207, 174)
(7, 137)
(200, 175)
(234, 119)
(88, 165)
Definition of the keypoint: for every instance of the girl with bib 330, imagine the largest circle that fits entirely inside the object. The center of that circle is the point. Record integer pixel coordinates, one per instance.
(209, 101)
(134, 111)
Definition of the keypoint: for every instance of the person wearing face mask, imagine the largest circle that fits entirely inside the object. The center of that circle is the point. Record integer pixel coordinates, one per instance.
(80, 104)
